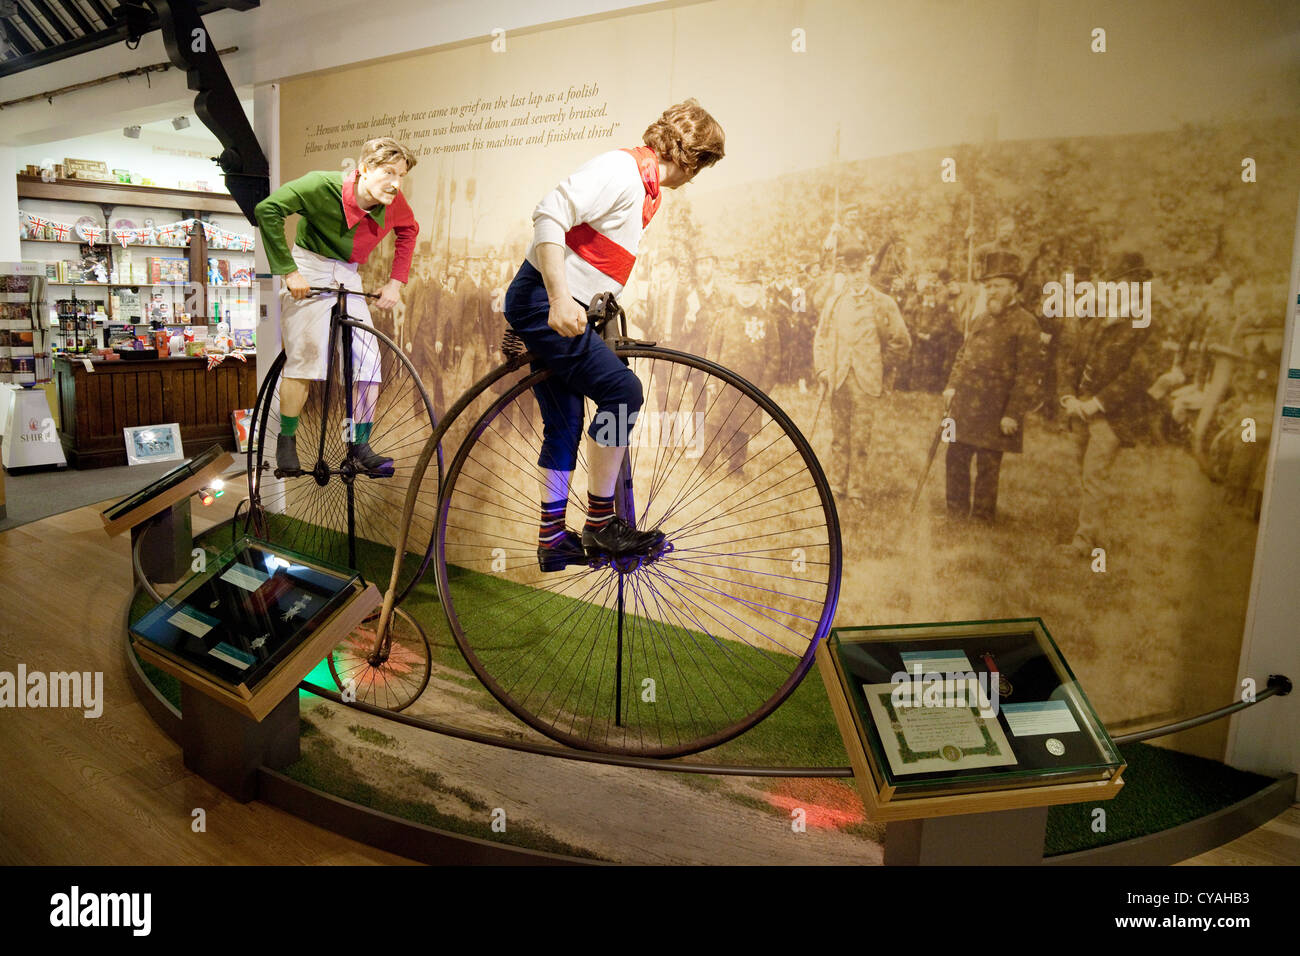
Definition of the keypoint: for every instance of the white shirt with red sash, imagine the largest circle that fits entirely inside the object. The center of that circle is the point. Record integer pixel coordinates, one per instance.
(598, 215)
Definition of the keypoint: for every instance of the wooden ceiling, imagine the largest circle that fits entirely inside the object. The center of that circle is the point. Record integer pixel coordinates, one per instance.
(37, 32)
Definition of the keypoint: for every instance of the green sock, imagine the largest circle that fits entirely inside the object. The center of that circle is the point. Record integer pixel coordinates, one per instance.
(288, 425)
(362, 432)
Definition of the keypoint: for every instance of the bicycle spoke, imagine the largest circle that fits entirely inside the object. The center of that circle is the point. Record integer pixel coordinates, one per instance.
(724, 623)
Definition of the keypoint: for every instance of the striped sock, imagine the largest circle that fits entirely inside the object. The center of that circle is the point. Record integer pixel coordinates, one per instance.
(600, 511)
(551, 531)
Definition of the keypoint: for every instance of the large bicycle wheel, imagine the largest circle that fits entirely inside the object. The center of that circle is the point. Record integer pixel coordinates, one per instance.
(668, 655)
(334, 511)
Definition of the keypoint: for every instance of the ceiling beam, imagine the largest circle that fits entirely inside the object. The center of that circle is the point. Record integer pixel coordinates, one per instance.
(116, 32)
(74, 13)
(34, 28)
(103, 12)
(15, 38)
(53, 19)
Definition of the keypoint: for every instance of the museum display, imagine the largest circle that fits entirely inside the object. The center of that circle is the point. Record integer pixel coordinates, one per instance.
(943, 710)
(252, 623)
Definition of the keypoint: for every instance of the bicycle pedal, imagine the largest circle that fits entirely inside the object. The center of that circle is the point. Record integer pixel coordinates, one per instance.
(291, 473)
(558, 562)
(384, 471)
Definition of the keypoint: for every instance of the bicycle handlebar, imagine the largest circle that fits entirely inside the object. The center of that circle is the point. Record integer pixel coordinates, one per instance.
(335, 290)
(320, 289)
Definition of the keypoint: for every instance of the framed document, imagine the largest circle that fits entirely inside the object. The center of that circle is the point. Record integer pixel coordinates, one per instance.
(921, 739)
(964, 718)
(148, 443)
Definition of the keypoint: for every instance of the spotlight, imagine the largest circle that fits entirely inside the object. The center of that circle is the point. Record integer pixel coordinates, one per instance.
(131, 132)
(181, 122)
(211, 493)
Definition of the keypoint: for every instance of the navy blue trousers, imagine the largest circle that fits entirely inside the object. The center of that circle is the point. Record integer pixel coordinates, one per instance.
(580, 366)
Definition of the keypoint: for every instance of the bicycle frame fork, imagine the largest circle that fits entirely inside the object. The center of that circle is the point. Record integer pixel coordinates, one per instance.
(337, 338)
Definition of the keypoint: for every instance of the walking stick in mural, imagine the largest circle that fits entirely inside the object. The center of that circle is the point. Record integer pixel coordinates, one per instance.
(817, 415)
(929, 458)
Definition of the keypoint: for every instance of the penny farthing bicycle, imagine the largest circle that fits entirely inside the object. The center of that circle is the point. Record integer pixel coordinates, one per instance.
(662, 654)
(336, 510)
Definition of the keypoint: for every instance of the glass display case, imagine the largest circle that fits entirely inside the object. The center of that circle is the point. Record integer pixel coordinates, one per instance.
(965, 712)
(253, 623)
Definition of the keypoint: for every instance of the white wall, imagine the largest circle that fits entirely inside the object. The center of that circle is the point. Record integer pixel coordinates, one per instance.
(10, 247)
(1266, 738)
(153, 155)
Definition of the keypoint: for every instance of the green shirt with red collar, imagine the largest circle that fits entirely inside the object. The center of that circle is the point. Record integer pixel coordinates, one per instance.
(331, 224)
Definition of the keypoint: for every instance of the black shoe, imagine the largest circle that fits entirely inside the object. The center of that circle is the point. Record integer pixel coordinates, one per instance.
(286, 455)
(373, 463)
(617, 540)
(568, 550)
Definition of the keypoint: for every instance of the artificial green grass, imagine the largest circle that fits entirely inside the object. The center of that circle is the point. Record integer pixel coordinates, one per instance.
(1162, 789)
(555, 655)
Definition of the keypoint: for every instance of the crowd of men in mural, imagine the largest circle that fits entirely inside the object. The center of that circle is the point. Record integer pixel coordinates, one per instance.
(860, 319)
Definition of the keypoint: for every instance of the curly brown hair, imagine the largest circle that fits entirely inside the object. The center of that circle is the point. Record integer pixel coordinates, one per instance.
(687, 135)
(384, 150)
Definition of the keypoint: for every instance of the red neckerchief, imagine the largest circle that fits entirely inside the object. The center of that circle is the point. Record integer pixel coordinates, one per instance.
(647, 163)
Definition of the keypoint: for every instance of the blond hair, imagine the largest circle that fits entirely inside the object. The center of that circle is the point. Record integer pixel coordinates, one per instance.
(384, 150)
(687, 135)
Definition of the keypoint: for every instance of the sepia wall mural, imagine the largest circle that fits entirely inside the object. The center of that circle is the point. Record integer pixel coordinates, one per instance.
(1144, 152)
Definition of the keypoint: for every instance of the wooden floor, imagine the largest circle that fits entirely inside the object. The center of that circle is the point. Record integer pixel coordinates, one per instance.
(113, 790)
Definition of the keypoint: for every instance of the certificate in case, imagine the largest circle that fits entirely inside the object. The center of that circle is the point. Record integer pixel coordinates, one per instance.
(253, 624)
(969, 717)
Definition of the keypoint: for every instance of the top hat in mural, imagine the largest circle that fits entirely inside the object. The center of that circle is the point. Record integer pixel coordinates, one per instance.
(1130, 267)
(999, 264)
(945, 276)
(749, 272)
(1082, 273)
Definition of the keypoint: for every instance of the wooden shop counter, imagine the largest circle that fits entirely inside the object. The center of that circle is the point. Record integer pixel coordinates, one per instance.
(95, 405)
